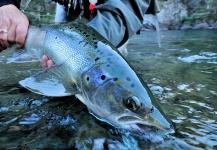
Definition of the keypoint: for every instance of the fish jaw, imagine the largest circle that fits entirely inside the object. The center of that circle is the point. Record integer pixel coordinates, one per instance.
(145, 125)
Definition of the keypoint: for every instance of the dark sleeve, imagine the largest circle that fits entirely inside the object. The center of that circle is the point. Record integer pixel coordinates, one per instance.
(118, 20)
(7, 2)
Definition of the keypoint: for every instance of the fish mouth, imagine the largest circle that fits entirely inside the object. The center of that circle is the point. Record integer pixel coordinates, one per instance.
(142, 126)
(138, 128)
(135, 124)
(143, 129)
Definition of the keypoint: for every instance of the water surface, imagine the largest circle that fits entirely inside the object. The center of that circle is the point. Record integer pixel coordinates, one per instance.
(182, 74)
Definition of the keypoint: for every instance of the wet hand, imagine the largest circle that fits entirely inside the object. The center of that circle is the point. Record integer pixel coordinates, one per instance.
(13, 27)
(46, 62)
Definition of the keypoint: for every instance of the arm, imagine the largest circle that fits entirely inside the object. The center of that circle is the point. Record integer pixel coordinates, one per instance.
(118, 20)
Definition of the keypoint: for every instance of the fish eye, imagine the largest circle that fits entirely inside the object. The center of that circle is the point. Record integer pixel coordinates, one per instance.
(133, 103)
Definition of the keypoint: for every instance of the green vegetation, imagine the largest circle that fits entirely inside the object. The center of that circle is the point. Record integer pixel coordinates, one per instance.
(201, 10)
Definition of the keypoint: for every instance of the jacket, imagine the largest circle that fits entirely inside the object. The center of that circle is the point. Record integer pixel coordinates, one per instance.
(6, 2)
(116, 20)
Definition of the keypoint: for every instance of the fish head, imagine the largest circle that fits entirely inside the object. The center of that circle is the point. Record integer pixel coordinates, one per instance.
(124, 102)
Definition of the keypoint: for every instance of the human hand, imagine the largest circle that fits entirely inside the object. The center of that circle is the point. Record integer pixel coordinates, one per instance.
(46, 62)
(15, 23)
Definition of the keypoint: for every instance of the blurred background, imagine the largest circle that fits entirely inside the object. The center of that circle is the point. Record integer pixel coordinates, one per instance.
(174, 14)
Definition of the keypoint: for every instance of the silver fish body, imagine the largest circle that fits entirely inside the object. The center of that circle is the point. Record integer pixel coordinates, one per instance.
(89, 67)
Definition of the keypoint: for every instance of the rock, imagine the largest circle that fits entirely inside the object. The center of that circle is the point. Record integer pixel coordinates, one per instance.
(14, 128)
(172, 14)
(186, 27)
(149, 22)
(214, 25)
(202, 25)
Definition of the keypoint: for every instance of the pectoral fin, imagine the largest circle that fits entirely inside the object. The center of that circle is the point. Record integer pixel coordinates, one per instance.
(51, 82)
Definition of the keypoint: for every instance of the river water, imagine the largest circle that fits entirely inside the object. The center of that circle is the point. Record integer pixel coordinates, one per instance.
(182, 74)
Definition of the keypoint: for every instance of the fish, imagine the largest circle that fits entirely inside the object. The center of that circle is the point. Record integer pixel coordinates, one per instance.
(91, 68)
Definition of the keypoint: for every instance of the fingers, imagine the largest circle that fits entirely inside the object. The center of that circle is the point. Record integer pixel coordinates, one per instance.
(4, 43)
(21, 32)
(16, 23)
(46, 62)
(11, 36)
(16, 34)
(50, 63)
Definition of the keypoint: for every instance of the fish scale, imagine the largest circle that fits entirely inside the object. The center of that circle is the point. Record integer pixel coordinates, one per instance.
(70, 51)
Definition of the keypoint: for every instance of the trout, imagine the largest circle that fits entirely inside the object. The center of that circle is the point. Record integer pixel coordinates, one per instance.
(89, 67)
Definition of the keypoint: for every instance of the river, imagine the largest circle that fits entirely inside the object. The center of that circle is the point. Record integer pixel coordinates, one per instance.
(182, 74)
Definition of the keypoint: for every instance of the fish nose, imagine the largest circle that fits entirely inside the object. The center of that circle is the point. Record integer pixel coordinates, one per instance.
(149, 110)
(160, 120)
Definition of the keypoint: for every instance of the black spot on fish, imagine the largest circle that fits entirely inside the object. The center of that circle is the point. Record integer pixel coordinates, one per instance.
(88, 78)
(109, 59)
(103, 77)
(128, 79)
(97, 59)
(94, 42)
(132, 85)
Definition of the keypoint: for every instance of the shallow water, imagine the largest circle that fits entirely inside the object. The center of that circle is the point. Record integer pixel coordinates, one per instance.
(182, 75)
